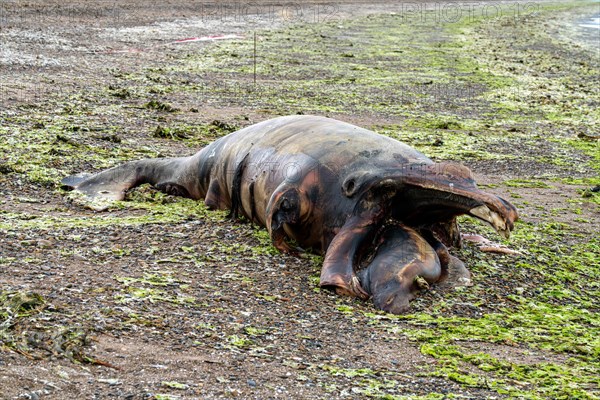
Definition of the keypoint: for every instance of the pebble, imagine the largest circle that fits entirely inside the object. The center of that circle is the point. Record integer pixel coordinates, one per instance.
(251, 382)
(110, 381)
(45, 243)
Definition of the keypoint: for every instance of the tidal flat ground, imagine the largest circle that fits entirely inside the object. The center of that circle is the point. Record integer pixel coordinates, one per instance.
(159, 298)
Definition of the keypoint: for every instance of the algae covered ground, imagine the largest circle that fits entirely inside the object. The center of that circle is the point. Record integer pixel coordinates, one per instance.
(160, 298)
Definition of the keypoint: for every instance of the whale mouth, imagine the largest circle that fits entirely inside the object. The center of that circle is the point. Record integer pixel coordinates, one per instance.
(427, 202)
(427, 207)
(494, 219)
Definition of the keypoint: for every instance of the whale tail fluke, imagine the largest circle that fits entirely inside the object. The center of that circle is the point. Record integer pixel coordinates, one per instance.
(98, 191)
(71, 182)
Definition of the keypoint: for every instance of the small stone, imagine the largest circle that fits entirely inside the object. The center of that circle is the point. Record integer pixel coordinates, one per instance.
(110, 381)
(251, 382)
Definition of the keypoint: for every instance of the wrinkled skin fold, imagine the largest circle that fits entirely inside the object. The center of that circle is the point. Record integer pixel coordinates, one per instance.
(402, 256)
(331, 187)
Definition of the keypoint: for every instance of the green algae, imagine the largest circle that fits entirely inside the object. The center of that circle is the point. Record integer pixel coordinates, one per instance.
(348, 372)
(153, 288)
(410, 80)
(164, 278)
(527, 183)
(21, 221)
(344, 83)
(555, 314)
(444, 144)
(163, 396)
(27, 327)
(197, 135)
(155, 208)
(543, 86)
(57, 142)
(175, 385)
(239, 342)
(517, 380)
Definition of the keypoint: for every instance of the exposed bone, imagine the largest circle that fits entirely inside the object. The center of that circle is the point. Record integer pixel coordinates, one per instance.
(489, 246)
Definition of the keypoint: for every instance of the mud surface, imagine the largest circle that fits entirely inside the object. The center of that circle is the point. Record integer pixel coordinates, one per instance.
(160, 298)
